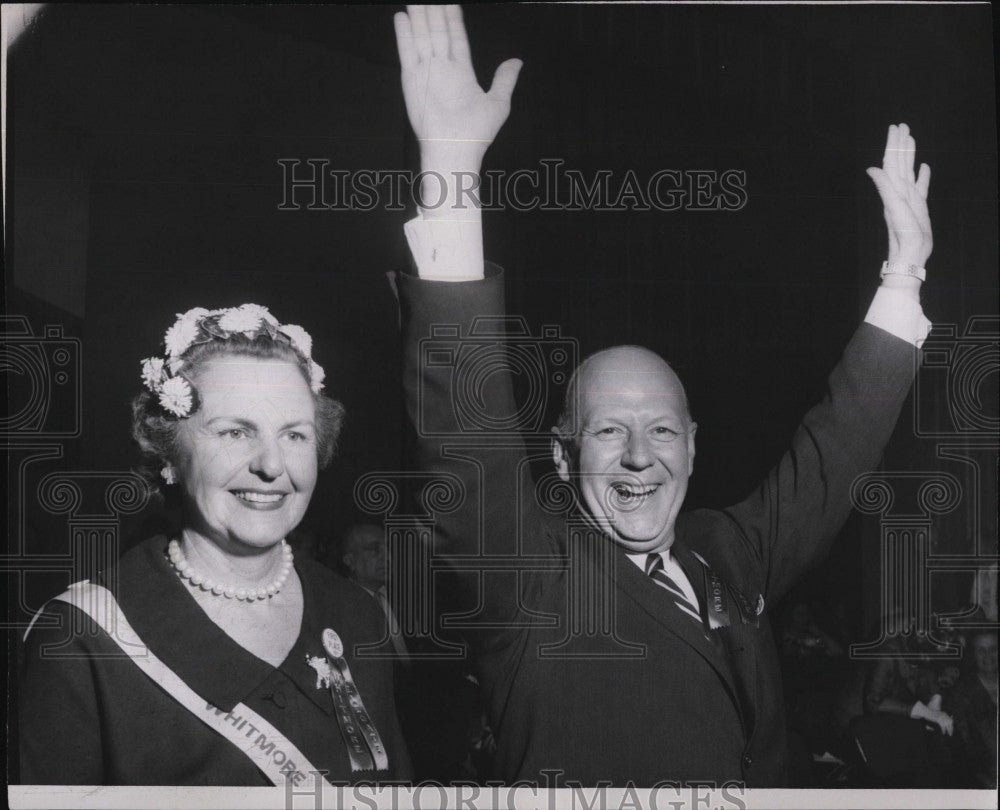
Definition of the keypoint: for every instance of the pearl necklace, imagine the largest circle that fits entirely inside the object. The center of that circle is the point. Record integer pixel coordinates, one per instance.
(183, 567)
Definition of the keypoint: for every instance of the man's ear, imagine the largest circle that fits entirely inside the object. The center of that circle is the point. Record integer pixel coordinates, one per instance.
(692, 429)
(348, 560)
(560, 454)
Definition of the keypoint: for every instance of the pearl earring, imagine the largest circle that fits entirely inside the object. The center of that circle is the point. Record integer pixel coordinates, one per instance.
(169, 474)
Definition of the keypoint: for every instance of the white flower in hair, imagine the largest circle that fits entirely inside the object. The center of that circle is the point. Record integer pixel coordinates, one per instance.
(176, 396)
(300, 338)
(182, 334)
(316, 376)
(194, 314)
(152, 372)
(245, 319)
(265, 315)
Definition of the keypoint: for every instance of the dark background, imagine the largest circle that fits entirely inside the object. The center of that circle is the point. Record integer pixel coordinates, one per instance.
(143, 180)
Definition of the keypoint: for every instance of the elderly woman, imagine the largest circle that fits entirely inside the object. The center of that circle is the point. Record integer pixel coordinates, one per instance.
(213, 657)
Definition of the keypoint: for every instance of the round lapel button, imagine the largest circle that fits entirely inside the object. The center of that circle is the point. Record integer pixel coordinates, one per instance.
(332, 644)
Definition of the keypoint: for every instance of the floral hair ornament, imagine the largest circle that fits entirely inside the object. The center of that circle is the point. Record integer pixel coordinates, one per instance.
(198, 325)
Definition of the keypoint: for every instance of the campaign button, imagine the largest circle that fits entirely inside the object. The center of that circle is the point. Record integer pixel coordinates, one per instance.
(332, 644)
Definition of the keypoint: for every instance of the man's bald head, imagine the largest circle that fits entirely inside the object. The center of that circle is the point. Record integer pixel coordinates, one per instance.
(617, 369)
(626, 442)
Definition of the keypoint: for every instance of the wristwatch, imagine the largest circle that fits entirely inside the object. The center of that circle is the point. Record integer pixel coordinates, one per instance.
(899, 269)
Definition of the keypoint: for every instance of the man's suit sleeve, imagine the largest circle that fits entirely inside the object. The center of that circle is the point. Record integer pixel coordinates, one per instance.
(788, 522)
(497, 514)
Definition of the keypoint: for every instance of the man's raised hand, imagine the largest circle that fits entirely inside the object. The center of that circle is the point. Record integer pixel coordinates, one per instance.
(904, 199)
(453, 118)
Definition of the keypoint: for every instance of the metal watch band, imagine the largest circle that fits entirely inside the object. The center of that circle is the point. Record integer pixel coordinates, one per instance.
(899, 269)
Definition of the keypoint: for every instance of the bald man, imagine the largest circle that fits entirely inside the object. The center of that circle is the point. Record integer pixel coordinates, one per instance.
(618, 639)
(627, 425)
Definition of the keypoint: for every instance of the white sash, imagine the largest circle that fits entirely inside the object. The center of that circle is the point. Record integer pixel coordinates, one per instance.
(267, 747)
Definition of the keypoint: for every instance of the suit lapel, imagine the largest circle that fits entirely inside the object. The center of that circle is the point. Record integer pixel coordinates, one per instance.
(656, 602)
(738, 660)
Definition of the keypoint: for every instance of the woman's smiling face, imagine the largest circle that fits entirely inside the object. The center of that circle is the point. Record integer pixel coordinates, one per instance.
(247, 458)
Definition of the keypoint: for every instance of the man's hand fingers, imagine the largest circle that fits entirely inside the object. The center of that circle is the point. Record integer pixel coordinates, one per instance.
(438, 29)
(911, 160)
(924, 180)
(884, 185)
(889, 156)
(905, 150)
(457, 38)
(904, 198)
(408, 56)
(890, 159)
(894, 207)
(421, 36)
(504, 80)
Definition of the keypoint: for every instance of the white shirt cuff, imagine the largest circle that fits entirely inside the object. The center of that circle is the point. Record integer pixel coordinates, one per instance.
(446, 249)
(898, 314)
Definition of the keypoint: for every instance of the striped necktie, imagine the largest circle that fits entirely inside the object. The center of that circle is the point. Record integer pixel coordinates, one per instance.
(655, 569)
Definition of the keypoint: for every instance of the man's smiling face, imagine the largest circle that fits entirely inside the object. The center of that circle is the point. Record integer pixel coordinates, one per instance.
(634, 449)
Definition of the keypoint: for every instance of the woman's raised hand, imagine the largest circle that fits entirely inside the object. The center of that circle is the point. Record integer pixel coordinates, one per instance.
(453, 118)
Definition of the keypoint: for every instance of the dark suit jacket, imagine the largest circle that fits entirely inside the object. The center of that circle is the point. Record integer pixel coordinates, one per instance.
(589, 671)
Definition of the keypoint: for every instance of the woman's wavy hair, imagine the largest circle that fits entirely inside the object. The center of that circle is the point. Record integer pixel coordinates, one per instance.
(156, 431)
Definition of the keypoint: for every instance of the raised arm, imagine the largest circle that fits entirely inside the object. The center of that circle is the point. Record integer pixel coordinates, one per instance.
(904, 201)
(454, 119)
(455, 122)
(789, 520)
